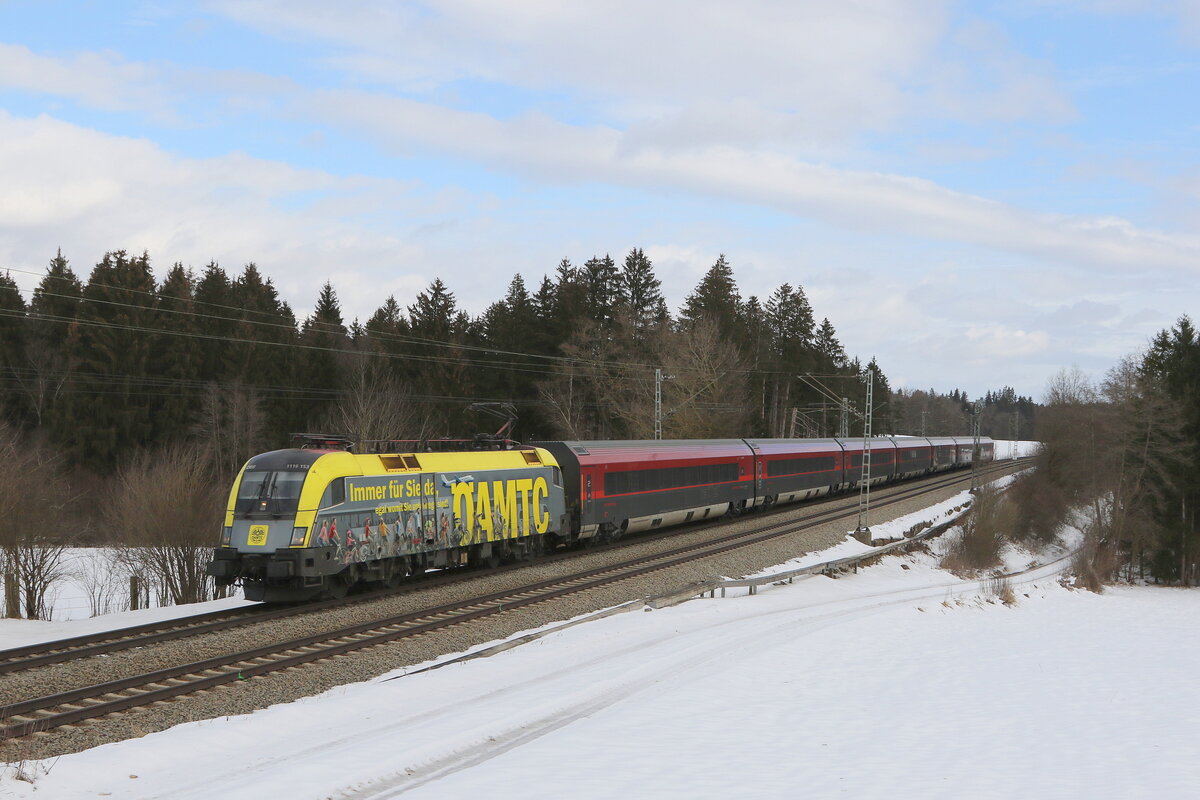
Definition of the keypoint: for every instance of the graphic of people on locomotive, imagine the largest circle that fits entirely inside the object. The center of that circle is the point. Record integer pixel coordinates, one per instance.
(319, 518)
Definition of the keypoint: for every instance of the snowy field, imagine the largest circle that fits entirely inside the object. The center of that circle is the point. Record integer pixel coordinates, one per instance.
(899, 681)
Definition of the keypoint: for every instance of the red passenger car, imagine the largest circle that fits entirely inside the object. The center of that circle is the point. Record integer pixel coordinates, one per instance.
(914, 456)
(797, 469)
(628, 486)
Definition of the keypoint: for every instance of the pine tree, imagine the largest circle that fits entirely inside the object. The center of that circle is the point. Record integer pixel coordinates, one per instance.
(603, 289)
(643, 294)
(828, 346)
(755, 351)
(174, 355)
(546, 336)
(48, 355)
(442, 372)
(570, 294)
(213, 299)
(1173, 364)
(325, 338)
(55, 301)
(507, 326)
(111, 413)
(386, 331)
(12, 350)
(715, 298)
(264, 355)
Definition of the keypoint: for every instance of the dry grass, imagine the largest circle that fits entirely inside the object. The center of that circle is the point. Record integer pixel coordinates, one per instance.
(999, 587)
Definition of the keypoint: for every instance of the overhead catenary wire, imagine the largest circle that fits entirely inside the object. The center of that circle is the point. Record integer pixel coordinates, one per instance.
(380, 336)
(398, 338)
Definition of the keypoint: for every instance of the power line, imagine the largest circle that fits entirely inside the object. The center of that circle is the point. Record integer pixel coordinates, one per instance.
(381, 335)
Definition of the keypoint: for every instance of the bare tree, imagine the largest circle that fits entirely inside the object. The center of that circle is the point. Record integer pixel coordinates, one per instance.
(573, 393)
(166, 508)
(608, 388)
(45, 378)
(706, 397)
(376, 406)
(232, 424)
(33, 529)
(1109, 447)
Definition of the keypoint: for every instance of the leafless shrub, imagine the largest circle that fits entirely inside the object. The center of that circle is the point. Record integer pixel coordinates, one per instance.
(105, 581)
(33, 537)
(1040, 507)
(983, 533)
(166, 507)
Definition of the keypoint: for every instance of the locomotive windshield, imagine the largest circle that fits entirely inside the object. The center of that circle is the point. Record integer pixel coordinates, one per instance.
(276, 493)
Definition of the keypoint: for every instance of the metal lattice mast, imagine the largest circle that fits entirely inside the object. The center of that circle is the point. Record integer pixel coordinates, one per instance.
(844, 423)
(864, 484)
(658, 379)
(975, 447)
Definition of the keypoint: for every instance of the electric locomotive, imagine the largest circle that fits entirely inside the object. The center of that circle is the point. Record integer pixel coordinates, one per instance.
(318, 519)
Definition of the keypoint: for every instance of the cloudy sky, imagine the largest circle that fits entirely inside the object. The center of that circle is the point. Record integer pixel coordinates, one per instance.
(977, 193)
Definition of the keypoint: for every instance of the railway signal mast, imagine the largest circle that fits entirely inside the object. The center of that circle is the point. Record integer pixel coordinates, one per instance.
(975, 413)
(658, 415)
(862, 532)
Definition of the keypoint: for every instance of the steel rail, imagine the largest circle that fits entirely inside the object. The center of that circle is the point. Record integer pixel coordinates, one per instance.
(85, 703)
(103, 642)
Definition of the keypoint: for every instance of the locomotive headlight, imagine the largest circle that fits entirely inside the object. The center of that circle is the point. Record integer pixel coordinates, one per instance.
(226, 536)
(298, 535)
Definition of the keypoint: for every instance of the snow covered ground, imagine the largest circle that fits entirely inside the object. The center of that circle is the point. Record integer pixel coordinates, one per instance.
(899, 681)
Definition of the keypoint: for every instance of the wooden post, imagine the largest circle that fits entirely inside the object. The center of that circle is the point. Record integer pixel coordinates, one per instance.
(134, 594)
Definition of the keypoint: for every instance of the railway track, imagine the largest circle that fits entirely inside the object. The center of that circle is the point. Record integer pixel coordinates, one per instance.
(104, 642)
(77, 706)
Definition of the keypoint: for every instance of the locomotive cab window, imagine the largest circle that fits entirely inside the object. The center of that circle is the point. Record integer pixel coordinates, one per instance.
(335, 493)
(275, 493)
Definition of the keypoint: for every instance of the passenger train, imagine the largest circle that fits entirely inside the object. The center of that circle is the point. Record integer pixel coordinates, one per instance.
(318, 519)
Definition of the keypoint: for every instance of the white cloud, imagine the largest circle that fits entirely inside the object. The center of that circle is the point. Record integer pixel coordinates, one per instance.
(102, 80)
(90, 192)
(554, 151)
(802, 75)
(1000, 341)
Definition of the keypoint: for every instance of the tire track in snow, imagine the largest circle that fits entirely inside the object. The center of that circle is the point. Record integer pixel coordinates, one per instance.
(502, 741)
